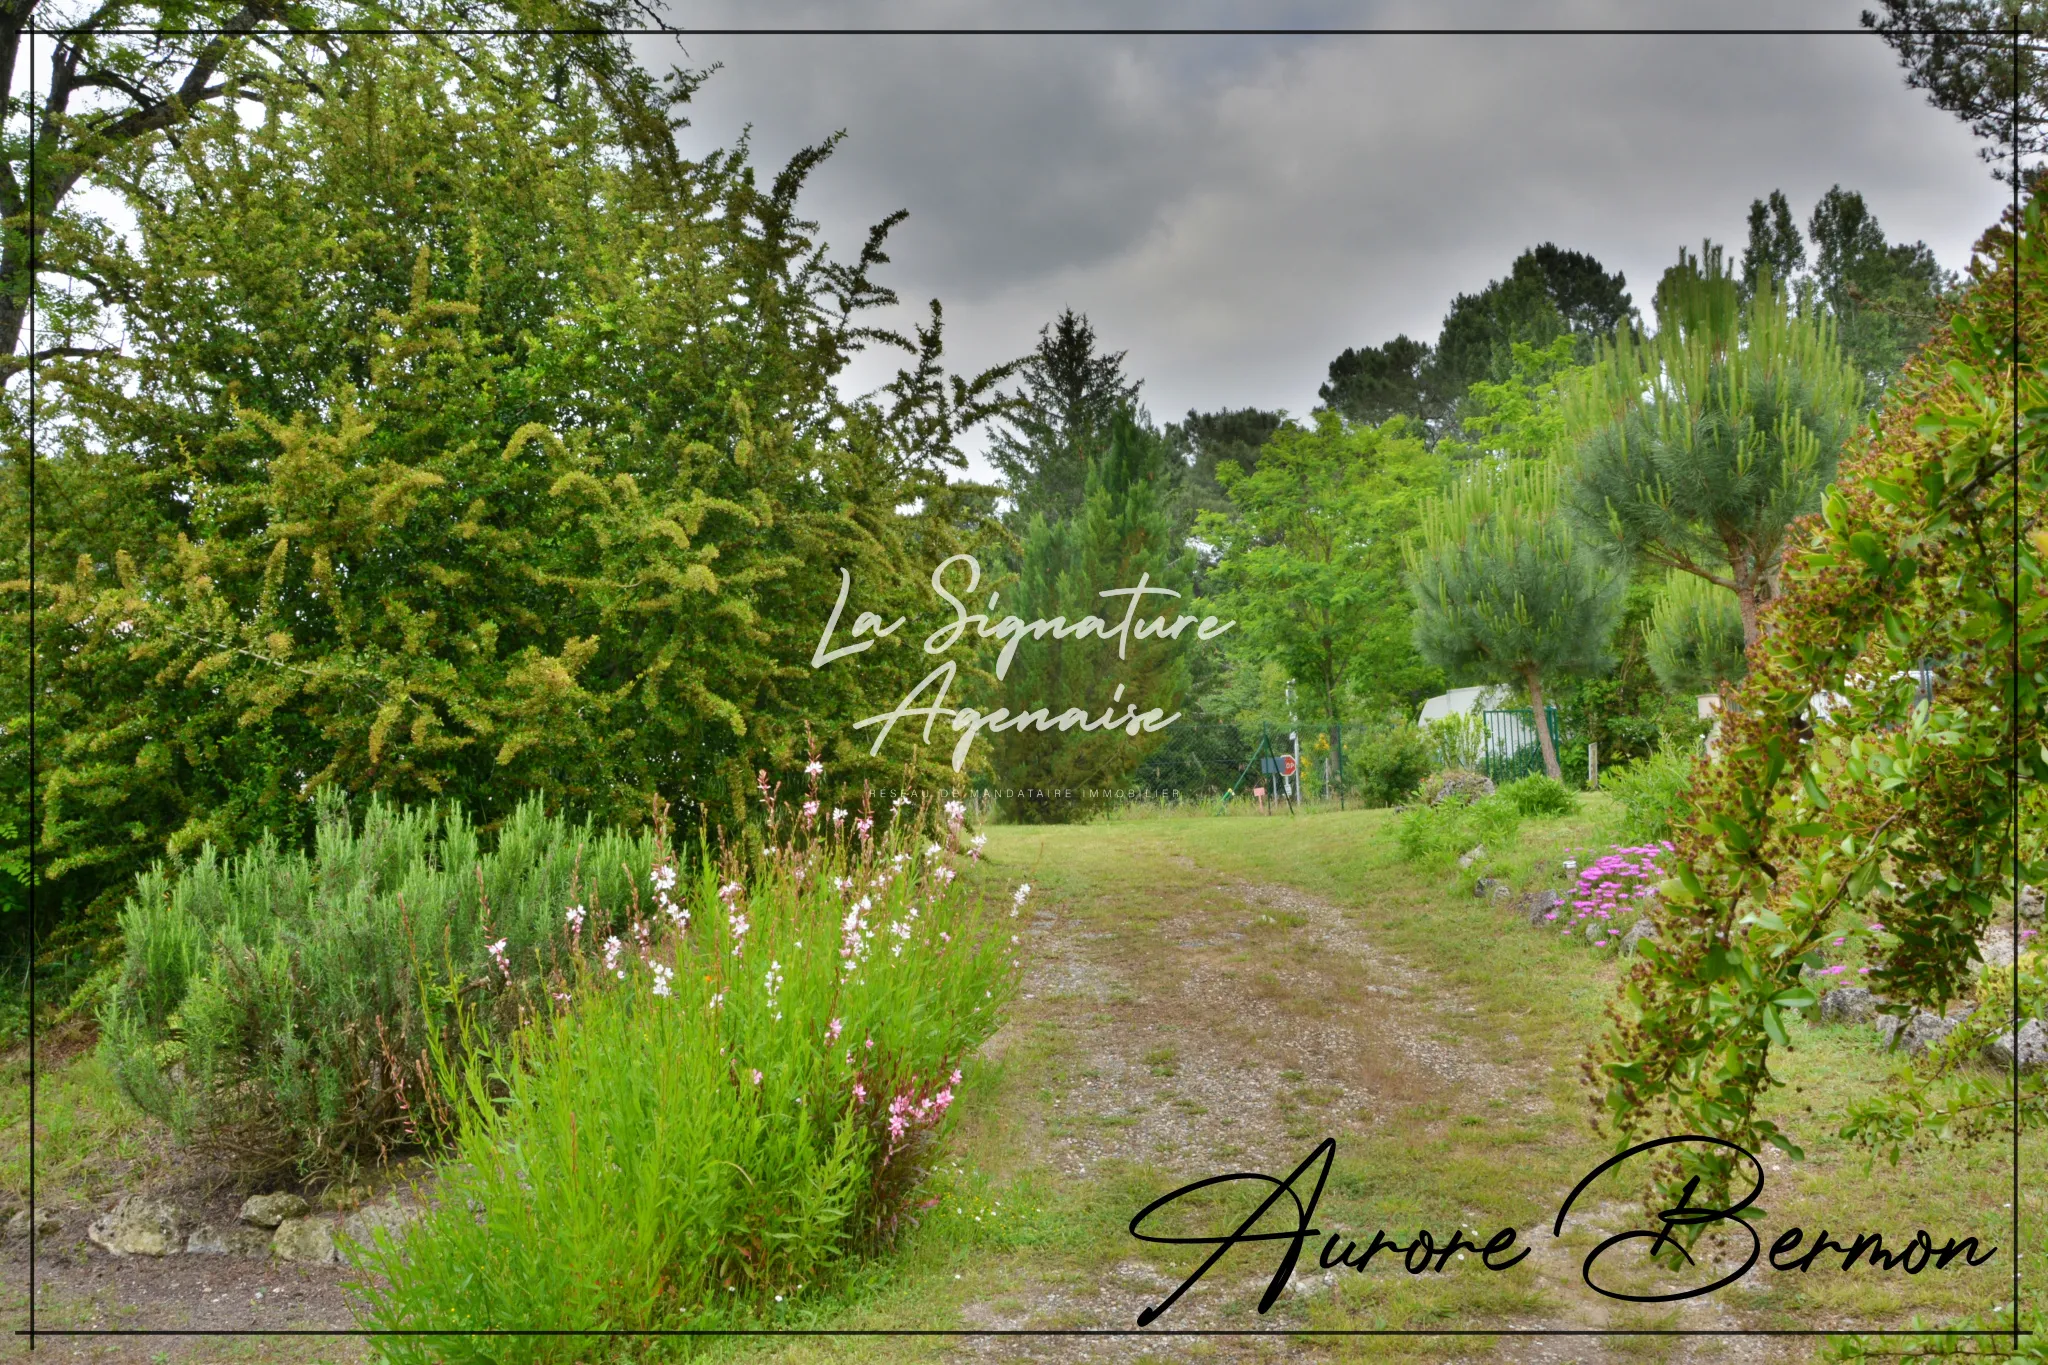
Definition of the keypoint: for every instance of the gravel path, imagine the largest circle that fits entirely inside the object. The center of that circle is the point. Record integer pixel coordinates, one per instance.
(1234, 1034)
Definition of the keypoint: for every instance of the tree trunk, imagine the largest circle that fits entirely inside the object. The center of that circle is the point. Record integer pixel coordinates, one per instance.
(1336, 731)
(1752, 582)
(1543, 739)
(1745, 595)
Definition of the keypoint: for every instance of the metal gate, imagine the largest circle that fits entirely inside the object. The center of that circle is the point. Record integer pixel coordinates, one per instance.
(1512, 750)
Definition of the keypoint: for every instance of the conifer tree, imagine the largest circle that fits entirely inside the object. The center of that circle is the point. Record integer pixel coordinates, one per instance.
(1886, 297)
(1071, 397)
(1693, 638)
(1963, 54)
(1776, 250)
(1505, 591)
(466, 467)
(1124, 533)
(1696, 448)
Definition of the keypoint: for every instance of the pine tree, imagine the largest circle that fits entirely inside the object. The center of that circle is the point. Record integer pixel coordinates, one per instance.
(1122, 535)
(1962, 53)
(1693, 638)
(1697, 447)
(1072, 395)
(1373, 383)
(1504, 590)
(1204, 440)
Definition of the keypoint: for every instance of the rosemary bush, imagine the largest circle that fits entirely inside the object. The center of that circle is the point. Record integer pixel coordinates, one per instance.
(281, 1008)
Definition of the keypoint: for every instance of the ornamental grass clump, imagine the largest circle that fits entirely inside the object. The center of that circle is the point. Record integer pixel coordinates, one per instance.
(733, 1098)
(1537, 795)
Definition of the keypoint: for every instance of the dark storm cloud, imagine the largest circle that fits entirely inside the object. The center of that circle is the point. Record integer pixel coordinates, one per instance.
(1234, 211)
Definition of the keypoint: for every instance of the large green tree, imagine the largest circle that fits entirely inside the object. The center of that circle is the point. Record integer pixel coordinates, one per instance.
(1504, 590)
(1963, 54)
(1775, 251)
(88, 85)
(1886, 297)
(1697, 447)
(1070, 396)
(1123, 537)
(460, 449)
(1370, 384)
(1309, 561)
(1203, 441)
(1548, 292)
(1522, 416)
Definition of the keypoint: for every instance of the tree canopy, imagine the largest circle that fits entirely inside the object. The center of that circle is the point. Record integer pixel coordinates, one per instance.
(457, 451)
(1698, 446)
(1962, 53)
(1308, 559)
(1203, 441)
(1548, 292)
(1503, 589)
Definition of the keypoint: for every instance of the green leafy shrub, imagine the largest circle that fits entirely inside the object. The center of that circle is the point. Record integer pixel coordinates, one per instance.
(1652, 793)
(1494, 822)
(1538, 795)
(1435, 835)
(719, 1117)
(281, 1007)
(1392, 763)
(1457, 741)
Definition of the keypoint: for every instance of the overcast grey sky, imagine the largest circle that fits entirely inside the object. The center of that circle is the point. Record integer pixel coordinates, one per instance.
(1233, 211)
